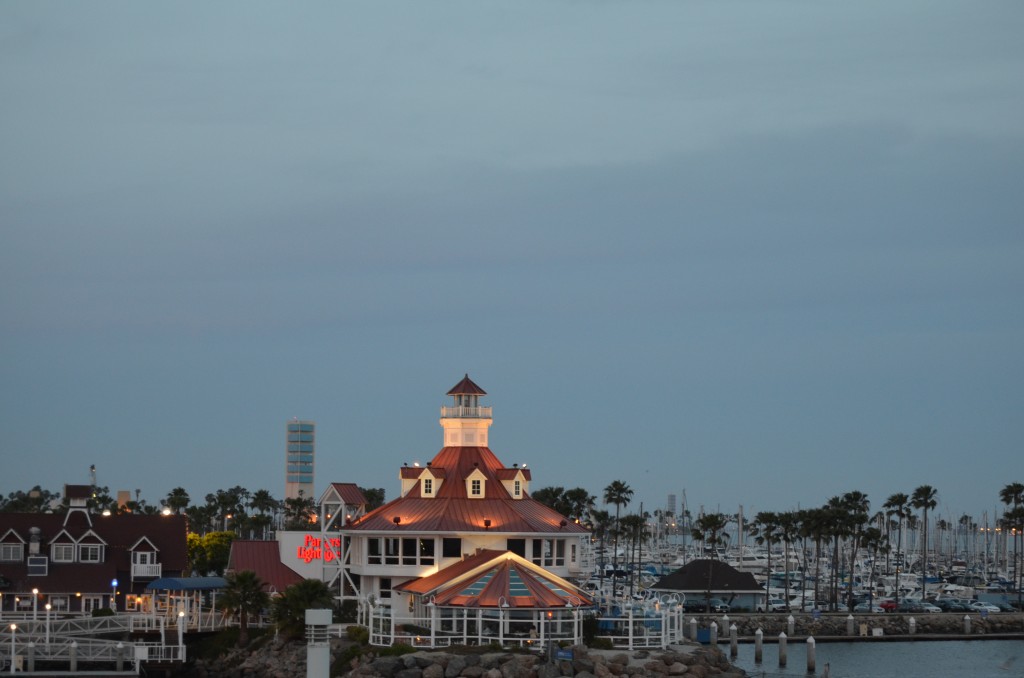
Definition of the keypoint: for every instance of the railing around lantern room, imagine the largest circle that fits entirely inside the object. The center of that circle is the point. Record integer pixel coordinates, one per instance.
(463, 412)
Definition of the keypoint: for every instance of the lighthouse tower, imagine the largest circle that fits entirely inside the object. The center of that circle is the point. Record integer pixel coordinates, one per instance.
(465, 422)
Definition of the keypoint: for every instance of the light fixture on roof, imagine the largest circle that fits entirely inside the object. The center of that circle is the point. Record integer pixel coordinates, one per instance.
(487, 523)
(562, 524)
(502, 602)
(416, 464)
(397, 520)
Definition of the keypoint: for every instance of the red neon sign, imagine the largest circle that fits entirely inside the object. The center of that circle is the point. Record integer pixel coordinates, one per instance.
(315, 548)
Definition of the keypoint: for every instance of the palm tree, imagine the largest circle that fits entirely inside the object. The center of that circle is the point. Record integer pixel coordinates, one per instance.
(245, 594)
(618, 493)
(601, 522)
(580, 503)
(924, 499)
(709, 529)
(897, 505)
(177, 500)
(857, 507)
(764, 528)
(1013, 494)
(789, 527)
(290, 607)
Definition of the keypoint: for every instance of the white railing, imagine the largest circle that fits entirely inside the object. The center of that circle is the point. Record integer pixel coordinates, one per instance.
(147, 570)
(465, 412)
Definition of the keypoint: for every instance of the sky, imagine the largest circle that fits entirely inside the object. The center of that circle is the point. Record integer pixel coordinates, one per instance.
(755, 254)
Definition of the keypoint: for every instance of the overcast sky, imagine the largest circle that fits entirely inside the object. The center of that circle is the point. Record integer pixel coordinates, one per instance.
(760, 252)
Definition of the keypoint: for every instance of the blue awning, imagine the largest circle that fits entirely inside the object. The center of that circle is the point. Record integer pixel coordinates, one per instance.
(187, 584)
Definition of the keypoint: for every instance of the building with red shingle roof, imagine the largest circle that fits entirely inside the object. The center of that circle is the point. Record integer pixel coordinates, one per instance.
(464, 511)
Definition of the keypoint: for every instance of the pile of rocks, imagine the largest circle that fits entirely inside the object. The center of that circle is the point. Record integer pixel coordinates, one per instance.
(697, 662)
(287, 660)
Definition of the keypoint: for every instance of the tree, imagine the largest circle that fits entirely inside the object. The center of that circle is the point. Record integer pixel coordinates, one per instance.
(244, 594)
(553, 498)
(374, 497)
(765, 528)
(897, 505)
(924, 499)
(177, 500)
(789, 528)
(618, 493)
(289, 608)
(217, 547)
(1013, 494)
(857, 508)
(580, 503)
(709, 530)
(299, 512)
(36, 500)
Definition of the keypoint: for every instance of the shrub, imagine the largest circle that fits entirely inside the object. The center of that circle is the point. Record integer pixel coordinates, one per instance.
(359, 634)
(103, 612)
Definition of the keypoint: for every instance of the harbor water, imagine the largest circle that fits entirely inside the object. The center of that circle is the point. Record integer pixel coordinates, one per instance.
(916, 659)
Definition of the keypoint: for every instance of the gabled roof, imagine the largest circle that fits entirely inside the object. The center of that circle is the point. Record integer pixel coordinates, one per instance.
(466, 387)
(349, 493)
(493, 578)
(117, 532)
(694, 577)
(263, 558)
(451, 509)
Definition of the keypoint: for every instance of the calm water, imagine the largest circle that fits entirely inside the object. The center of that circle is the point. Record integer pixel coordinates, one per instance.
(924, 659)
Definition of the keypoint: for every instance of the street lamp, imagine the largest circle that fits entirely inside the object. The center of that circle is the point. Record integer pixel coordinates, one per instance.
(113, 594)
(14, 627)
(35, 604)
(181, 628)
(48, 624)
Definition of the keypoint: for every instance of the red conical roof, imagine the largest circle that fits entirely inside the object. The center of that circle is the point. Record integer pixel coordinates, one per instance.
(466, 387)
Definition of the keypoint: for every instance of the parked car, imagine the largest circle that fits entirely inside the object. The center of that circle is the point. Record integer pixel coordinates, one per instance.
(929, 608)
(812, 605)
(868, 607)
(984, 607)
(704, 605)
(773, 605)
(950, 605)
(887, 604)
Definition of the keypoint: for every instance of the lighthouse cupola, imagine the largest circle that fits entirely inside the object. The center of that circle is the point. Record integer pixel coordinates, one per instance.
(465, 422)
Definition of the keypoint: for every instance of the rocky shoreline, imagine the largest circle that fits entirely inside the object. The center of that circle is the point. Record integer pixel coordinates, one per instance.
(280, 659)
(286, 660)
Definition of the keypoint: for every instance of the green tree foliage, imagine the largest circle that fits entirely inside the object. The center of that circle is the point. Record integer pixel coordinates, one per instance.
(289, 608)
(374, 497)
(245, 594)
(36, 500)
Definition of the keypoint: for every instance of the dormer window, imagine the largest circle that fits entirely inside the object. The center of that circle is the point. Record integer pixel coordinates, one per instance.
(517, 488)
(90, 553)
(62, 553)
(476, 487)
(428, 487)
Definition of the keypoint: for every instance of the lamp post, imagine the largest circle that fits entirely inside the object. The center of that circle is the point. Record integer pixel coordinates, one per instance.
(181, 628)
(48, 606)
(113, 594)
(35, 604)
(14, 627)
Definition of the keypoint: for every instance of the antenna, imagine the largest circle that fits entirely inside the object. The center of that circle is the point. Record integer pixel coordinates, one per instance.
(92, 474)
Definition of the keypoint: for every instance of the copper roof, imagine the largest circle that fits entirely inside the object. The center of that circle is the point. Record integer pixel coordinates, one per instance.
(492, 578)
(263, 558)
(452, 510)
(466, 387)
(349, 493)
